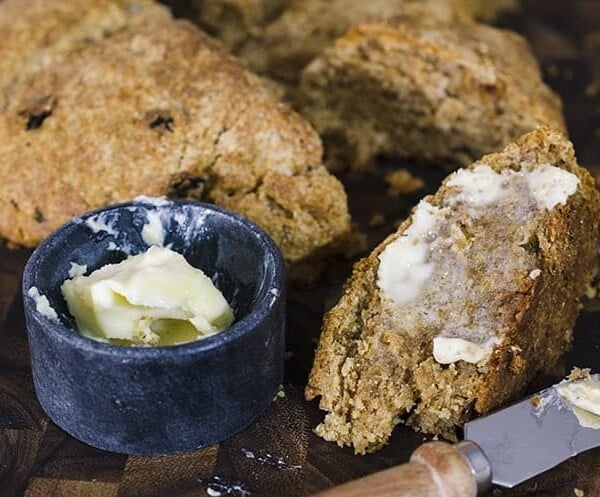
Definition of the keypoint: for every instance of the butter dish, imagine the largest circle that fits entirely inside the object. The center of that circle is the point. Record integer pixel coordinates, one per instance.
(155, 400)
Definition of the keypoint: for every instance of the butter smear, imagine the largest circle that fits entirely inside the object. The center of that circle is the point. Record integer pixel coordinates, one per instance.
(583, 397)
(432, 272)
(153, 298)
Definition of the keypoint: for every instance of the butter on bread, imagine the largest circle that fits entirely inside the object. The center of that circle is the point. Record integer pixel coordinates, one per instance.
(504, 262)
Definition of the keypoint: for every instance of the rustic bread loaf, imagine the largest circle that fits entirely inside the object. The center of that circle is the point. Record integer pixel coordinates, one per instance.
(473, 296)
(153, 108)
(440, 93)
(285, 46)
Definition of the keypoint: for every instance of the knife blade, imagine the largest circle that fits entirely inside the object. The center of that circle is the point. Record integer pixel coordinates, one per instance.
(504, 448)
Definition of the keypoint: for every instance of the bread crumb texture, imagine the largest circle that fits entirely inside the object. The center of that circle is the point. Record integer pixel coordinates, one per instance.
(374, 366)
(104, 100)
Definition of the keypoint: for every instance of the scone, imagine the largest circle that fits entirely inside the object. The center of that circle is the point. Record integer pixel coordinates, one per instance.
(154, 108)
(37, 33)
(283, 47)
(474, 295)
(233, 22)
(438, 93)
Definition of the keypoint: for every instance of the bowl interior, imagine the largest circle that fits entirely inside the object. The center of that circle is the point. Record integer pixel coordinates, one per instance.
(242, 261)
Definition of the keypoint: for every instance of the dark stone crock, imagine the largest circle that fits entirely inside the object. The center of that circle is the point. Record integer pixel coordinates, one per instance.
(160, 400)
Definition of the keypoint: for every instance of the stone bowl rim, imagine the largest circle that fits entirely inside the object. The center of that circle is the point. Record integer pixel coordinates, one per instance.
(265, 302)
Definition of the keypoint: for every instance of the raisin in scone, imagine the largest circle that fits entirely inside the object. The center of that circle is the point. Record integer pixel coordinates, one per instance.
(158, 108)
(439, 93)
(474, 295)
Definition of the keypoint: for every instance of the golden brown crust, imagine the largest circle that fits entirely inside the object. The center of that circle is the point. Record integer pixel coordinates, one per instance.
(370, 377)
(38, 33)
(157, 108)
(435, 92)
(283, 47)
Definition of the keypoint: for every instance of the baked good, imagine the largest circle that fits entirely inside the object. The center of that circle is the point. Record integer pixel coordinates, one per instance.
(474, 295)
(306, 27)
(154, 108)
(279, 40)
(234, 21)
(441, 93)
(36, 34)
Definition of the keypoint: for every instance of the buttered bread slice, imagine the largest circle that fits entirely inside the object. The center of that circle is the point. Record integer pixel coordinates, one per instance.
(474, 295)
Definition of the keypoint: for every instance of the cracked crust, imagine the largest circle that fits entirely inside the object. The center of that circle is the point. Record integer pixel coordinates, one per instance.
(155, 108)
(419, 89)
(282, 48)
(372, 372)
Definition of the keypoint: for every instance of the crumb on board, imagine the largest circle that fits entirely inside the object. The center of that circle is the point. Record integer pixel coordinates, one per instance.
(355, 243)
(536, 401)
(402, 182)
(578, 374)
(280, 394)
(578, 492)
(377, 220)
(592, 90)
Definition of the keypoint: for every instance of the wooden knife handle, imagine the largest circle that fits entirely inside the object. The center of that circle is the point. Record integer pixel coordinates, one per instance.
(436, 469)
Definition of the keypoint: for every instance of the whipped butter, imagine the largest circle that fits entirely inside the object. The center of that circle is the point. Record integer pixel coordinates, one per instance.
(583, 397)
(450, 252)
(548, 185)
(153, 232)
(404, 265)
(447, 350)
(153, 298)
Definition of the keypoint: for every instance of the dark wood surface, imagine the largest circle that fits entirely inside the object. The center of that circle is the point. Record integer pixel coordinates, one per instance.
(37, 459)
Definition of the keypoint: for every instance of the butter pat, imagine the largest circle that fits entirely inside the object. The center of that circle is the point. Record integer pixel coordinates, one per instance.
(154, 298)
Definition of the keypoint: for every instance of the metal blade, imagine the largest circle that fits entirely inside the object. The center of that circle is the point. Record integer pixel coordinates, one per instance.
(530, 437)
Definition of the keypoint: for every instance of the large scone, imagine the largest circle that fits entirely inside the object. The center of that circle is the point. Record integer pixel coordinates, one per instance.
(154, 108)
(473, 296)
(279, 38)
(283, 47)
(440, 93)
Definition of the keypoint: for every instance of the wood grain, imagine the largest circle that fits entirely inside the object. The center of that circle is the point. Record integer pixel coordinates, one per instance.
(279, 455)
(435, 469)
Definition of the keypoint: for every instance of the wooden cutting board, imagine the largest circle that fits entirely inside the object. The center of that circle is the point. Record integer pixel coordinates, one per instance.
(279, 456)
